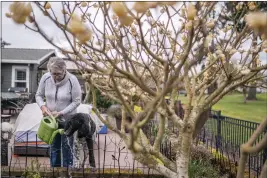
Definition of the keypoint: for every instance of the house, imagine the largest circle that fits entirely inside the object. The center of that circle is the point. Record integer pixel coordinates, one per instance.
(21, 67)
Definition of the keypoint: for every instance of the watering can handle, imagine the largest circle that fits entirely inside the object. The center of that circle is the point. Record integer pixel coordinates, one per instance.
(50, 114)
(52, 117)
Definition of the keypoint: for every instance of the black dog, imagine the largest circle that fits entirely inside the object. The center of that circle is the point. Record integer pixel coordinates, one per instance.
(85, 127)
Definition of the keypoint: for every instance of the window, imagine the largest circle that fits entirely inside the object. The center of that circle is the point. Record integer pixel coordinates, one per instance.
(20, 76)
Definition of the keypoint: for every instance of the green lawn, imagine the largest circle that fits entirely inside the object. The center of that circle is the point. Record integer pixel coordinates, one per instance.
(232, 105)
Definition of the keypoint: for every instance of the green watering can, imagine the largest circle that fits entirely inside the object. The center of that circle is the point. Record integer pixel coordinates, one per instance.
(48, 129)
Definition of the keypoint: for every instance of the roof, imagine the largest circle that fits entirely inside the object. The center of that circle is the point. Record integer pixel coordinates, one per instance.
(20, 55)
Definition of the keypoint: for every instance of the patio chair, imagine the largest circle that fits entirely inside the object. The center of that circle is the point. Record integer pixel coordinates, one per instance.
(5, 118)
(17, 107)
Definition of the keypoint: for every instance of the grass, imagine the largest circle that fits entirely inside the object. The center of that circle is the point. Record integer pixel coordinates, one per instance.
(233, 105)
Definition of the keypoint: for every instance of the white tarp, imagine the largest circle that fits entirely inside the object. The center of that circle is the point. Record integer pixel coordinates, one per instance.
(29, 119)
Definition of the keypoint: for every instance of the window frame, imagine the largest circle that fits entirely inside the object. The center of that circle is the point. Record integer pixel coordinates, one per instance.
(13, 79)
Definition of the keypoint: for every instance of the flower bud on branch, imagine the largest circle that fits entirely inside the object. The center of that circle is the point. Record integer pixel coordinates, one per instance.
(19, 12)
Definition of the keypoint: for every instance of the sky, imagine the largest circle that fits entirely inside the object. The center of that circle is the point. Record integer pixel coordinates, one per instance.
(20, 37)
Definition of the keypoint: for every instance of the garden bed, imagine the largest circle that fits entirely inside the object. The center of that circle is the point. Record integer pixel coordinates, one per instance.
(87, 172)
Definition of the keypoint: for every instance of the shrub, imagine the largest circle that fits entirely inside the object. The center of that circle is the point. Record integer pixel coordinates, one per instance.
(199, 152)
(203, 168)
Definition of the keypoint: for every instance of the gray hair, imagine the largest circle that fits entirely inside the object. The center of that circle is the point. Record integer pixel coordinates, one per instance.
(56, 63)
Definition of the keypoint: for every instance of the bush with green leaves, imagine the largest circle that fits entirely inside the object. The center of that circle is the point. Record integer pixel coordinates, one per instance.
(203, 169)
(33, 170)
(103, 101)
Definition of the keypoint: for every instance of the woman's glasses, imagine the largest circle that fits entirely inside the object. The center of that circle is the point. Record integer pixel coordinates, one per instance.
(57, 74)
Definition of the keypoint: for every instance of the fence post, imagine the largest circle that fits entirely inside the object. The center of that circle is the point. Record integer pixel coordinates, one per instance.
(204, 134)
(4, 152)
(265, 150)
(218, 140)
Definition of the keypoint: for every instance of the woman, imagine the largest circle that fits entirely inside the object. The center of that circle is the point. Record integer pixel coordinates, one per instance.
(62, 93)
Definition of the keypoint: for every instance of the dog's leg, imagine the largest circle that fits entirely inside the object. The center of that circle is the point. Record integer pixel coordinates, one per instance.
(76, 151)
(90, 145)
(84, 151)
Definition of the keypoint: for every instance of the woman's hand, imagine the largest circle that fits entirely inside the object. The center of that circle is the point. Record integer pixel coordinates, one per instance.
(56, 114)
(45, 110)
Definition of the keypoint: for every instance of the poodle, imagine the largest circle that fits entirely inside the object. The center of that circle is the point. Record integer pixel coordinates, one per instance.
(85, 127)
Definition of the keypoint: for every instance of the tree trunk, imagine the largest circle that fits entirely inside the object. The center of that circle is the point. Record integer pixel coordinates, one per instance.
(185, 139)
(245, 95)
(205, 114)
(183, 154)
(94, 96)
(87, 91)
(253, 90)
(123, 119)
(252, 93)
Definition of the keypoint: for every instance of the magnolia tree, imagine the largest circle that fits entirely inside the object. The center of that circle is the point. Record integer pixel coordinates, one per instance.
(239, 10)
(144, 51)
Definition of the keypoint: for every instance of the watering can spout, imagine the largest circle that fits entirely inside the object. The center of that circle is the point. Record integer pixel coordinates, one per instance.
(59, 131)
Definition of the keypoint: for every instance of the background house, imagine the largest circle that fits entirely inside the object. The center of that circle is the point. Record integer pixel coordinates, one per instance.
(20, 67)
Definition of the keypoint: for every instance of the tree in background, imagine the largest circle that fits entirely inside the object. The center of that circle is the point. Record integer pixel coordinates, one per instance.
(142, 51)
(102, 102)
(237, 11)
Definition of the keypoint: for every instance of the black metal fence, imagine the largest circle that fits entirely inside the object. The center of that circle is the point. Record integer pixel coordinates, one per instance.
(223, 136)
(112, 159)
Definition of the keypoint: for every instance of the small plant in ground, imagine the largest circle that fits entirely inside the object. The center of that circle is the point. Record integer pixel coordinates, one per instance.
(33, 170)
(199, 152)
(203, 168)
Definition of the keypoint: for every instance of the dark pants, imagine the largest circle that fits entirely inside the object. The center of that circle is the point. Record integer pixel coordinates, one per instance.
(61, 144)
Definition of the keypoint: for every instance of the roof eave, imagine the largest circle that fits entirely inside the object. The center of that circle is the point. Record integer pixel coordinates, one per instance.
(19, 61)
(45, 56)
